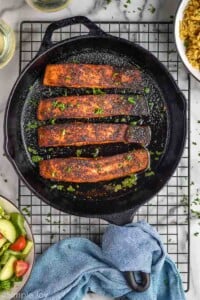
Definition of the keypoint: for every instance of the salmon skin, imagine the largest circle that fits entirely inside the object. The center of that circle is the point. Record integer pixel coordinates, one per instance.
(92, 106)
(91, 76)
(82, 169)
(79, 134)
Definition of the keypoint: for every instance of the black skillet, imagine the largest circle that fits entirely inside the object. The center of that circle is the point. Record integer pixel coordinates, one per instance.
(167, 121)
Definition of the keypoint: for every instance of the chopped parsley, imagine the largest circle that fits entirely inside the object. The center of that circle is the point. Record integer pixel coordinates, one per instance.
(194, 143)
(147, 90)
(68, 169)
(33, 151)
(152, 9)
(70, 189)
(79, 152)
(96, 152)
(59, 187)
(134, 123)
(52, 121)
(150, 173)
(131, 100)
(196, 233)
(26, 211)
(129, 157)
(98, 111)
(36, 158)
(32, 125)
(96, 91)
(59, 105)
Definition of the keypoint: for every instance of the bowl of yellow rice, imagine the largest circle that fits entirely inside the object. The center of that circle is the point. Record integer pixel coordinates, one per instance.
(187, 35)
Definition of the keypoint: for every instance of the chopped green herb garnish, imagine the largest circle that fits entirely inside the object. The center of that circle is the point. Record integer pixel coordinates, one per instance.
(68, 169)
(98, 111)
(96, 152)
(97, 91)
(59, 187)
(52, 121)
(134, 123)
(150, 173)
(147, 90)
(132, 100)
(32, 125)
(26, 211)
(70, 189)
(123, 120)
(129, 157)
(33, 151)
(152, 9)
(129, 182)
(186, 43)
(59, 105)
(117, 188)
(79, 152)
(36, 158)
(196, 233)
(194, 143)
(68, 78)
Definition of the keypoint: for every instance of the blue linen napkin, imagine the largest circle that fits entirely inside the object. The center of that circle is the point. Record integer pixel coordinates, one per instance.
(73, 267)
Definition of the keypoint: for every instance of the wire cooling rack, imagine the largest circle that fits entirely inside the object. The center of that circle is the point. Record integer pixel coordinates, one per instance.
(169, 210)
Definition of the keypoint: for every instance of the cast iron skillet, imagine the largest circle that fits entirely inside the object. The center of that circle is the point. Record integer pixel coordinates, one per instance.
(167, 120)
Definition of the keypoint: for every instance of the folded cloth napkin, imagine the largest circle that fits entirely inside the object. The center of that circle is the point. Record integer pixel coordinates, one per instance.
(73, 267)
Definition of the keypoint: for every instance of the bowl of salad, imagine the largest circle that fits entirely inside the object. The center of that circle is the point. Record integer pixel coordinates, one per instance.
(16, 250)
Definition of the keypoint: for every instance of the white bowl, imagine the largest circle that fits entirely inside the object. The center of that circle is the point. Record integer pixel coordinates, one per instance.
(9, 207)
(180, 43)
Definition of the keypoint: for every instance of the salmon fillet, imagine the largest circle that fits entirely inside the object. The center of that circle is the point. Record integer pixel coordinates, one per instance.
(81, 169)
(79, 134)
(92, 106)
(91, 76)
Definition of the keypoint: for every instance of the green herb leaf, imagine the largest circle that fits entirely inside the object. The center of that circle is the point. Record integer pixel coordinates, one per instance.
(79, 152)
(70, 189)
(59, 105)
(147, 90)
(33, 151)
(132, 100)
(36, 158)
(96, 152)
(32, 125)
(96, 91)
(98, 111)
(150, 173)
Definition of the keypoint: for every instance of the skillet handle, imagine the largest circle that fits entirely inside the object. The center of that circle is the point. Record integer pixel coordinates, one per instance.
(93, 30)
(121, 218)
(143, 286)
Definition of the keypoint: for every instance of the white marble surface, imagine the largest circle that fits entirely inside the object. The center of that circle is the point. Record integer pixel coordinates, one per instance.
(14, 12)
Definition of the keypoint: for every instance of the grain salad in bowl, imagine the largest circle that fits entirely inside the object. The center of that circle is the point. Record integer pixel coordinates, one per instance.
(16, 250)
(187, 35)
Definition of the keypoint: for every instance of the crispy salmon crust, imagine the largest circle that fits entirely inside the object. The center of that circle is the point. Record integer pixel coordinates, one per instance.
(91, 76)
(80, 134)
(82, 169)
(92, 106)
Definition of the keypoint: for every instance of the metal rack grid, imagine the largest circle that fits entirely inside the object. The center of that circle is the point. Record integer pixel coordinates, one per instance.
(169, 210)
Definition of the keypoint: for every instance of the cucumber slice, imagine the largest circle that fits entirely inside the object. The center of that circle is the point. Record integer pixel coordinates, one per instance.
(8, 270)
(17, 254)
(2, 241)
(4, 258)
(27, 249)
(8, 230)
(18, 221)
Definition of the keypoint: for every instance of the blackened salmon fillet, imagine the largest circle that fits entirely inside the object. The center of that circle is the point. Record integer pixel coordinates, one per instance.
(91, 76)
(92, 106)
(79, 134)
(82, 169)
